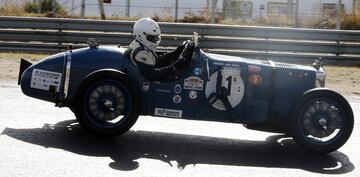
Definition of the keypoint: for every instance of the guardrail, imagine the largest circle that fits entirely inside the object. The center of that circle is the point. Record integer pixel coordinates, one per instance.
(285, 44)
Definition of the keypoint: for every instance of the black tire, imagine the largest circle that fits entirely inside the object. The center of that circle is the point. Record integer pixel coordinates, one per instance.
(108, 107)
(321, 114)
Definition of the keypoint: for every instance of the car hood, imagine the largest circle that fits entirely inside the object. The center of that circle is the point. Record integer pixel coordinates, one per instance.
(220, 57)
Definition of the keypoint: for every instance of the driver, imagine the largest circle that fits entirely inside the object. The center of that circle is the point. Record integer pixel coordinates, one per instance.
(156, 67)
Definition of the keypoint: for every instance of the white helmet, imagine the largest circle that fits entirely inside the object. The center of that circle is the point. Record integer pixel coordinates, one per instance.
(147, 32)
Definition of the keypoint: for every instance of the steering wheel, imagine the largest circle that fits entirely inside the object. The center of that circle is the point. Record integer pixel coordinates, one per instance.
(188, 50)
(186, 56)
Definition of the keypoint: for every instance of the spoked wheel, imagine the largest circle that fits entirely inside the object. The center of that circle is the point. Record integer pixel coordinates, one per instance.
(323, 121)
(108, 107)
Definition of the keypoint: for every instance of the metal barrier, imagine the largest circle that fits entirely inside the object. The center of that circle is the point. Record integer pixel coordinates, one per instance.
(284, 44)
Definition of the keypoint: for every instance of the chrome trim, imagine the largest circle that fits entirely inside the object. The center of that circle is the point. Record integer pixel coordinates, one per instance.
(67, 73)
(207, 66)
(271, 63)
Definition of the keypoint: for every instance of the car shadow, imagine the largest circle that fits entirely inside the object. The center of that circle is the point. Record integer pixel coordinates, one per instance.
(276, 151)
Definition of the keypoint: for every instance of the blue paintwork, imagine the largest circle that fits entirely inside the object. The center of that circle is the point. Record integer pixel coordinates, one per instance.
(274, 97)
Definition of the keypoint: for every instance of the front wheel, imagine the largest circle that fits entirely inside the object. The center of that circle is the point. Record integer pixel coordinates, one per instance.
(322, 121)
(108, 107)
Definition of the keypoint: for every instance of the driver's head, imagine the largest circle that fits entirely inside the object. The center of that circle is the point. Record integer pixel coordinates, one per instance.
(147, 32)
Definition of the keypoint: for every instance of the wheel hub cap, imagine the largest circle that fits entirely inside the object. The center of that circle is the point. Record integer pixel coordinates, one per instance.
(106, 103)
(323, 123)
(109, 104)
(322, 120)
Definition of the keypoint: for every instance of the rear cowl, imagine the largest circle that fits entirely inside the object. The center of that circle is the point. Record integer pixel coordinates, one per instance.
(61, 74)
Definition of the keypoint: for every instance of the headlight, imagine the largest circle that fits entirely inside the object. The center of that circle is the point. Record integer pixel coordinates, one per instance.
(320, 73)
(320, 77)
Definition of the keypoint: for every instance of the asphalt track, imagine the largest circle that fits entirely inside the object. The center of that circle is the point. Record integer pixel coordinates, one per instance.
(38, 139)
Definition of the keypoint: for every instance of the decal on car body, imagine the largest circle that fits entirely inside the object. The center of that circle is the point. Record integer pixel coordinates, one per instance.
(235, 65)
(255, 79)
(177, 99)
(42, 79)
(168, 112)
(231, 83)
(193, 94)
(177, 88)
(146, 86)
(298, 74)
(163, 91)
(193, 83)
(197, 71)
(254, 69)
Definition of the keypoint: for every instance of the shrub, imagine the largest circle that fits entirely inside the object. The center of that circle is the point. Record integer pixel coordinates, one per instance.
(12, 10)
(157, 18)
(325, 22)
(46, 7)
(192, 18)
(31, 7)
(351, 22)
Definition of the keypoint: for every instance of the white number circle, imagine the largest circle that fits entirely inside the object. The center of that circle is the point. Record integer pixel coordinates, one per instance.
(230, 77)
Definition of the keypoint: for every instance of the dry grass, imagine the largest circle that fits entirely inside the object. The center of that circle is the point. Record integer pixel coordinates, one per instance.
(344, 79)
(350, 21)
(19, 55)
(274, 20)
(10, 62)
(16, 10)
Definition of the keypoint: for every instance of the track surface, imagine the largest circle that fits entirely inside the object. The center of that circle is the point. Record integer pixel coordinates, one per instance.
(38, 139)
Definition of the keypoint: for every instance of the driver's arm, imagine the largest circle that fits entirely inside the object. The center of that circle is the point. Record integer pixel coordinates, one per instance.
(170, 57)
(146, 64)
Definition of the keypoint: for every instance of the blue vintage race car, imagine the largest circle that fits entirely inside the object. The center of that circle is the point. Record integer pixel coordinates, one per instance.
(107, 93)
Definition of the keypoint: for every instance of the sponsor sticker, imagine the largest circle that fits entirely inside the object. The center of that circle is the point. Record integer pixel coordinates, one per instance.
(197, 71)
(168, 112)
(177, 99)
(193, 94)
(235, 65)
(193, 83)
(146, 86)
(254, 69)
(42, 79)
(177, 88)
(255, 79)
(298, 74)
(163, 91)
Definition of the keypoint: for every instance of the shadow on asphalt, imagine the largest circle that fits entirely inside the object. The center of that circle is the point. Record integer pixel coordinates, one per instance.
(275, 151)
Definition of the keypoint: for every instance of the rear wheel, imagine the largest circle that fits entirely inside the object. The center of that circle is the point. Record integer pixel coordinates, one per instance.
(108, 107)
(322, 121)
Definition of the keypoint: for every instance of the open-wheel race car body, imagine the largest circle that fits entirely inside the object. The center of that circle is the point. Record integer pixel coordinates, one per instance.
(107, 93)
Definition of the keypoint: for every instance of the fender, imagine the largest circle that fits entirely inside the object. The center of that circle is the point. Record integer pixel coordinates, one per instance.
(318, 90)
(96, 75)
(321, 89)
(103, 74)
